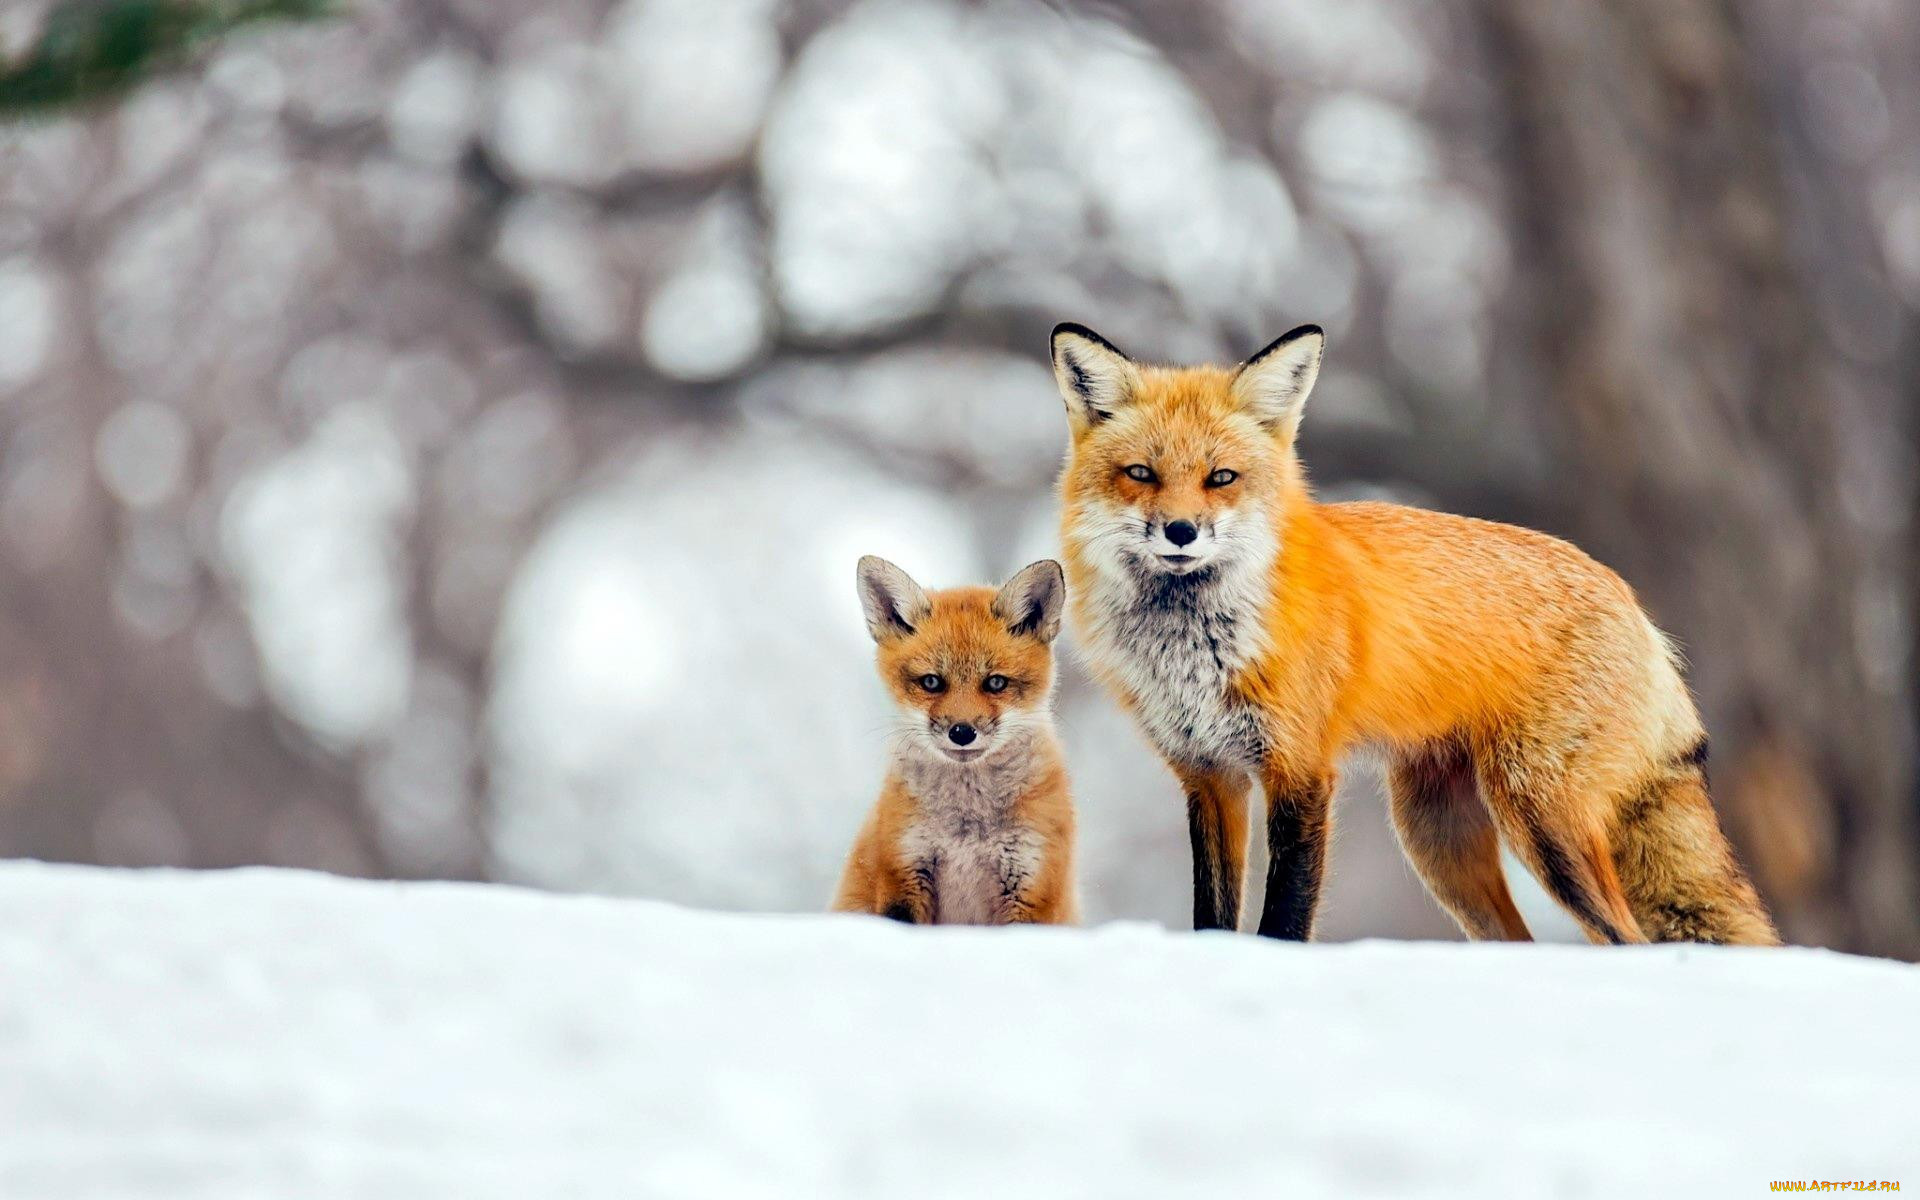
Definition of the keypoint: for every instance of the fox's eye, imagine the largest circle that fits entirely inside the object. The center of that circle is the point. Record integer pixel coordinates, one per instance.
(1140, 473)
(1222, 477)
(994, 683)
(932, 683)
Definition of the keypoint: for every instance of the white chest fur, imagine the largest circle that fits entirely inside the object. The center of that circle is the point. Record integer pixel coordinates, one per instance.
(963, 833)
(1175, 645)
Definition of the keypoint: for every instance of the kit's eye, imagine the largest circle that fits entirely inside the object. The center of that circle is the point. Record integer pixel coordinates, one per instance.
(1140, 473)
(994, 683)
(1222, 477)
(932, 683)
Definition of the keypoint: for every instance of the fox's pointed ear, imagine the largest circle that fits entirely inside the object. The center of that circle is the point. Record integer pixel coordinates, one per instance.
(1031, 601)
(893, 602)
(1095, 379)
(1273, 384)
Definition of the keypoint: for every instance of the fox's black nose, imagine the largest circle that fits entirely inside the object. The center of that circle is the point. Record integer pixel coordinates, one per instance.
(1180, 533)
(960, 735)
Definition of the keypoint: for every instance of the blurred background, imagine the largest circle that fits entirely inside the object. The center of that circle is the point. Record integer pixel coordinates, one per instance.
(436, 436)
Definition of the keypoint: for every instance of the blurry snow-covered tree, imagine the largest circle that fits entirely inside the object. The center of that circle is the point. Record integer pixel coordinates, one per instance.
(436, 439)
(1727, 391)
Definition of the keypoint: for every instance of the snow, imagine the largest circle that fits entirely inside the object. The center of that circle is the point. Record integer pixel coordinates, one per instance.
(269, 1033)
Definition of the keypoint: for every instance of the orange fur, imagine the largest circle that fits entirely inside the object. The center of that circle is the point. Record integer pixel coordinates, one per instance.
(988, 839)
(879, 875)
(1469, 652)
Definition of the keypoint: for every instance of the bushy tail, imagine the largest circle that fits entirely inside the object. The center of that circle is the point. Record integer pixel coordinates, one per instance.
(1680, 875)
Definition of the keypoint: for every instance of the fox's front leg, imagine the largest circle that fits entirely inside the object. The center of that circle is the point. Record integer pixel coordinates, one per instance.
(906, 893)
(1040, 904)
(1299, 819)
(1217, 828)
(1027, 895)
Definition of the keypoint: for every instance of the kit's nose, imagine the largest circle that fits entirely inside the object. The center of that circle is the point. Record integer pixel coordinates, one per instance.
(961, 735)
(1182, 533)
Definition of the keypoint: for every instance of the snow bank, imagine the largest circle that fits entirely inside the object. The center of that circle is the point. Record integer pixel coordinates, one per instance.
(271, 1034)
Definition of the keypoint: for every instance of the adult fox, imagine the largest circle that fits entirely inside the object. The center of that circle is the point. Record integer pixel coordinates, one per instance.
(1514, 685)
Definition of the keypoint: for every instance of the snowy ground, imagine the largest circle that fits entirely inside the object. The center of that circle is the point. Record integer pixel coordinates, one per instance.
(271, 1034)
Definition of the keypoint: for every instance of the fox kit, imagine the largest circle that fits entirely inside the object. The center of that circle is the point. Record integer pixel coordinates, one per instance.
(1515, 687)
(974, 825)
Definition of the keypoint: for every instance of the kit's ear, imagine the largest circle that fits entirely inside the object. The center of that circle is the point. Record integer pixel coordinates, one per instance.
(1031, 601)
(1273, 384)
(893, 602)
(1095, 379)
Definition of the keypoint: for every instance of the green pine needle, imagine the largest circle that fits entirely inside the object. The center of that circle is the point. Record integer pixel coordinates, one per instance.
(94, 51)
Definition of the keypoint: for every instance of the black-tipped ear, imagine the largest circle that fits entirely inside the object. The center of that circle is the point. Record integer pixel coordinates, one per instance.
(1031, 601)
(1095, 378)
(1273, 384)
(892, 601)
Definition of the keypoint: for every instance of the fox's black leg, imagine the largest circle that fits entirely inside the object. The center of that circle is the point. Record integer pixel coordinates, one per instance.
(1217, 830)
(914, 903)
(1299, 819)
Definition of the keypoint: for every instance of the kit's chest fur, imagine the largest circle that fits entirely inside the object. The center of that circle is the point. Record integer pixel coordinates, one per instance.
(1176, 645)
(964, 838)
